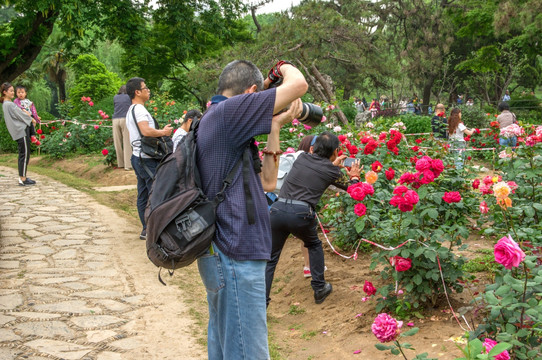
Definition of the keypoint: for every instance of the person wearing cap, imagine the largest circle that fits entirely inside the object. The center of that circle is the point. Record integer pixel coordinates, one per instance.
(294, 211)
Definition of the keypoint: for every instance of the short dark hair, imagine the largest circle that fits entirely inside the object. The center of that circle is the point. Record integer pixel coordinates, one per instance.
(238, 76)
(4, 87)
(305, 143)
(191, 114)
(132, 85)
(20, 87)
(326, 143)
(503, 105)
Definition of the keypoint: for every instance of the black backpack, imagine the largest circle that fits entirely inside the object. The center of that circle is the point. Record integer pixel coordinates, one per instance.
(180, 218)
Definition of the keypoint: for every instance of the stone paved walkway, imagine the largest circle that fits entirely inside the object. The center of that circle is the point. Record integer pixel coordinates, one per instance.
(75, 282)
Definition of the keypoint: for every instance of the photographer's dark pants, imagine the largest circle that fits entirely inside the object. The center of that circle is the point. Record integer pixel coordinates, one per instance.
(144, 183)
(23, 145)
(300, 221)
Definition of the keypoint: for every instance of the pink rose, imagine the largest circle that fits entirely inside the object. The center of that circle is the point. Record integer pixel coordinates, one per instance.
(490, 344)
(484, 209)
(96, 127)
(369, 289)
(452, 197)
(508, 253)
(488, 180)
(368, 188)
(437, 166)
(360, 209)
(401, 189)
(386, 328)
(406, 207)
(90, 103)
(407, 178)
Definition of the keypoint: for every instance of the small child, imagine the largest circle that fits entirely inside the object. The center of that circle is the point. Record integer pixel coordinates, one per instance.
(28, 106)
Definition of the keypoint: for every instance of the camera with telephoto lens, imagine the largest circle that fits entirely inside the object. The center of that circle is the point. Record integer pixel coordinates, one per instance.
(311, 114)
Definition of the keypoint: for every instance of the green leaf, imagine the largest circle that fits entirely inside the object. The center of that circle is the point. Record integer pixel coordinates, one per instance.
(503, 290)
(411, 332)
(417, 279)
(433, 213)
(360, 224)
(382, 347)
(499, 348)
(419, 251)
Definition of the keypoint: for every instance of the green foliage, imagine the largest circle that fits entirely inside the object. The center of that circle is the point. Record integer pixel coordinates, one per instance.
(92, 79)
(416, 123)
(295, 310)
(485, 263)
(106, 105)
(474, 117)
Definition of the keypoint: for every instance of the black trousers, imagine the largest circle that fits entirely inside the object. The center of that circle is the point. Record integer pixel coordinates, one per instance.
(299, 220)
(24, 152)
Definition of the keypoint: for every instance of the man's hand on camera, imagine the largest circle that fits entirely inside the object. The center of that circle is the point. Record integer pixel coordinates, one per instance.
(355, 170)
(290, 114)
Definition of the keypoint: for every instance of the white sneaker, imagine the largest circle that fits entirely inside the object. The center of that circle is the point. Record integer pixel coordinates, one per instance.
(307, 271)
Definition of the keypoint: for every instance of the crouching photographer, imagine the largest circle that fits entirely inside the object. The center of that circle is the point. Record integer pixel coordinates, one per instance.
(294, 211)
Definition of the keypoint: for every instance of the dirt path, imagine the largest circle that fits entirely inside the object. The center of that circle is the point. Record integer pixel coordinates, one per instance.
(75, 282)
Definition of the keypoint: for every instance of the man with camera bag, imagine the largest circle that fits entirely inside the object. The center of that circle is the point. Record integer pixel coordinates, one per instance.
(143, 165)
(233, 271)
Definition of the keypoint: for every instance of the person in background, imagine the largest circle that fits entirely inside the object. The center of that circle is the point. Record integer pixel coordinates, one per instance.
(506, 118)
(374, 107)
(18, 123)
(184, 127)
(470, 102)
(143, 165)
(506, 96)
(121, 135)
(439, 123)
(456, 129)
(294, 211)
(28, 106)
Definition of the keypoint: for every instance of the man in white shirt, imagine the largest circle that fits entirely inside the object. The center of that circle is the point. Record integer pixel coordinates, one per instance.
(140, 123)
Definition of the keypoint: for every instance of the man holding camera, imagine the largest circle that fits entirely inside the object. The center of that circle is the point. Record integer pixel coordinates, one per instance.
(141, 162)
(233, 271)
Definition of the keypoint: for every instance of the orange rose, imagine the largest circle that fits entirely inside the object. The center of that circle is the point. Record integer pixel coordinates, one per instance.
(371, 177)
(505, 203)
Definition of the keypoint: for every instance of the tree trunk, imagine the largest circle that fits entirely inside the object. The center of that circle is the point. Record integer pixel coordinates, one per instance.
(28, 47)
(427, 93)
(327, 90)
(256, 23)
(61, 88)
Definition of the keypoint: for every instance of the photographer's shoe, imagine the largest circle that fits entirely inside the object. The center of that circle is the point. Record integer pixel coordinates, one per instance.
(143, 235)
(322, 294)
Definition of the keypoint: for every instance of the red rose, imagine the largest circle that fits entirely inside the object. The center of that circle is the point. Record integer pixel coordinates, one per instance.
(39, 131)
(42, 137)
(401, 263)
(342, 138)
(105, 152)
(423, 164)
(405, 207)
(428, 176)
(452, 197)
(411, 197)
(376, 166)
(369, 289)
(356, 191)
(469, 158)
(418, 141)
(476, 184)
(407, 178)
(390, 174)
(360, 209)
(399, 190)
(437, 166)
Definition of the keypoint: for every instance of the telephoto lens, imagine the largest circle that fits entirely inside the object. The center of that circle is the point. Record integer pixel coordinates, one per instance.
(311, 115)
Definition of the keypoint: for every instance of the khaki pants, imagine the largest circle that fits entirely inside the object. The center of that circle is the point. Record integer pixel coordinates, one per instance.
(121, 139)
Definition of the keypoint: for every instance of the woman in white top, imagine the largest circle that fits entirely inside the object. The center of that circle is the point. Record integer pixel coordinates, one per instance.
(186, 122)
(456, 129)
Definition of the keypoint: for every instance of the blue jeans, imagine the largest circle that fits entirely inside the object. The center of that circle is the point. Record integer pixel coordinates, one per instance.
(512, 141)
(144, 183)
(458, 149)
(237, 312)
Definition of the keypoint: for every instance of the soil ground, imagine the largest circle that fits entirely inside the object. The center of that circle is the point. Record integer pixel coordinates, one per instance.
(340, 328)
